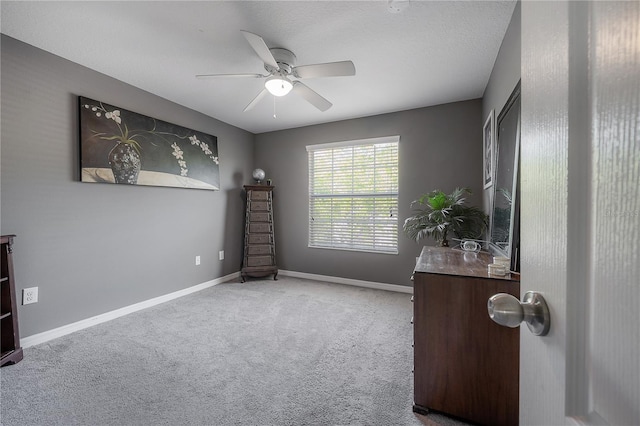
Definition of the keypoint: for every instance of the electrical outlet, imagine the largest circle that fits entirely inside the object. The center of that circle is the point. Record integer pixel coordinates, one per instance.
(197, 260)
(29, 295)
(221, 255)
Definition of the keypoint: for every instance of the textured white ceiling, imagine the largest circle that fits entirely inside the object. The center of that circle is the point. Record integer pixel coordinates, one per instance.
(428, 54)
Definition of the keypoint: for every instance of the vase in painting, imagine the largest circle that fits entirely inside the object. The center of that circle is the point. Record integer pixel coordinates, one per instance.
(125, 163)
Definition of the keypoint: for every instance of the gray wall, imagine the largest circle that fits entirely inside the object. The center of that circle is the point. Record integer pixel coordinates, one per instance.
(504, 77)
(93, 248)
(440, 148)
(506, 70)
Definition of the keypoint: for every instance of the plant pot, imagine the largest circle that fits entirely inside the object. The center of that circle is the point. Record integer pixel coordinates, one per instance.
(125, 163)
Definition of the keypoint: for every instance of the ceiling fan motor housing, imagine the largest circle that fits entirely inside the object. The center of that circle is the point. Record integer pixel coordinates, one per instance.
(285, 59)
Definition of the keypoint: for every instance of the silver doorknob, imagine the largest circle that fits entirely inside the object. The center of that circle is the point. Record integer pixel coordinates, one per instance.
(507, 310)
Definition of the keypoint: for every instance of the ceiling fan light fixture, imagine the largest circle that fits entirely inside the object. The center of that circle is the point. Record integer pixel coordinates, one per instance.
(278, 85)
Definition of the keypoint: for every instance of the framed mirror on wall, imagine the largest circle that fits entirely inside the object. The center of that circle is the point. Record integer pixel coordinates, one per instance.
(505, 211)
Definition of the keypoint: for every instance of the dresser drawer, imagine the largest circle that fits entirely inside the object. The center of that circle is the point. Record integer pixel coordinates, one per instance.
(260, 239)
(259, 227)
(259, 195)
(260, 249)
(259, 217)
(259, 261)
(259, 206)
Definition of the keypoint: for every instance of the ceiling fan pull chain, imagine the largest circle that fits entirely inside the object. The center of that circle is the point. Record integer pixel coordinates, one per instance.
(274, 107)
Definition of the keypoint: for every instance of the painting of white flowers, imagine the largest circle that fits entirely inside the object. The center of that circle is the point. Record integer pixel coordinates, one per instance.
(120, 146)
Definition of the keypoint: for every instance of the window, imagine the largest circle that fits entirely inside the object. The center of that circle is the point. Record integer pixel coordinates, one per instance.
(353, 195)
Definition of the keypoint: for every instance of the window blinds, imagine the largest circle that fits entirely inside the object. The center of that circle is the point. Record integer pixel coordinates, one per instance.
(353, 195)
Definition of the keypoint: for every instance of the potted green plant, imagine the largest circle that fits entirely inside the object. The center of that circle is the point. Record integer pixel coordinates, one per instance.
(437, 215)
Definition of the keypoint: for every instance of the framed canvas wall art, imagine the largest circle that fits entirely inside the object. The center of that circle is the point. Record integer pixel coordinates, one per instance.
(488, 137)
(124, 147)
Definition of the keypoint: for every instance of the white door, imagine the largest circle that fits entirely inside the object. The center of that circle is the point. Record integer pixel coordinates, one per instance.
(580, 236)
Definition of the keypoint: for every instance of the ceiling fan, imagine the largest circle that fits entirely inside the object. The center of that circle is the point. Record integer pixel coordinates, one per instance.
(281, 66)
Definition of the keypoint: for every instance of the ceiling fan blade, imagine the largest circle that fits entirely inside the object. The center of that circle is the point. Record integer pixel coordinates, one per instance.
(260, 47)
(255, 100)
(230, 76)
(310, 96)
(331, 69)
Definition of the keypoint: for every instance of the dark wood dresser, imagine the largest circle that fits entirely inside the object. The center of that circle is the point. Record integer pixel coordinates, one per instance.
(9, 335)
(259, 258)
(465, 365)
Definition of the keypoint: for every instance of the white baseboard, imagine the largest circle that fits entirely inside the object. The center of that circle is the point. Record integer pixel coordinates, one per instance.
(348, 281)
(45, 336)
